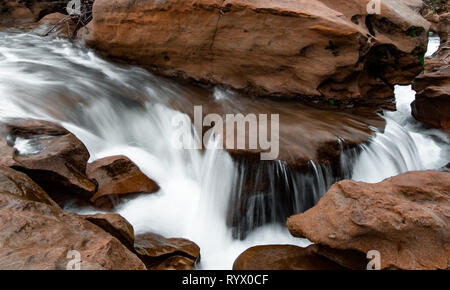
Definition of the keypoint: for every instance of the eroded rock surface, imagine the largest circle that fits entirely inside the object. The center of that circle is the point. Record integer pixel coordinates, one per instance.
(35, 234)
(432, 104)
(320, 50)
(159, 253)
(406, 218)
(53, 157)
(117, 177)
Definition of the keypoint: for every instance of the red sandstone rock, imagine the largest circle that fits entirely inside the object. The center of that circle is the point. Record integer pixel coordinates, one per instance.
(56, 161)
(36, 234)
(283, 257)
(432, 104)
(319, 50)
(116, 225)
(405, 218)
(21, 186)
(56, 24)
(20, 12)
(159, 253)
(117, 177)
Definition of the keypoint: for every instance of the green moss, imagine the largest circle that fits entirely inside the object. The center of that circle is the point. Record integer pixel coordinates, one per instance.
(412, 31)
(422, 60)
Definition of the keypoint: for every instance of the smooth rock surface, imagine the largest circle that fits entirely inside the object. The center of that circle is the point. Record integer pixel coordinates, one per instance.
(282, 257)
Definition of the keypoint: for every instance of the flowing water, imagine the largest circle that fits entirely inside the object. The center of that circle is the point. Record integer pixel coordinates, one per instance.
(125, 110)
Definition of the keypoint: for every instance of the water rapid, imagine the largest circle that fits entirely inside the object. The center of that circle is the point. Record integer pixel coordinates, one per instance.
(115, 109)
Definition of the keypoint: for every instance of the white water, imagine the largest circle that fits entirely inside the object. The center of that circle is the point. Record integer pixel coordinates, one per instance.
(406, 145)
(123, 110)
(433, 45)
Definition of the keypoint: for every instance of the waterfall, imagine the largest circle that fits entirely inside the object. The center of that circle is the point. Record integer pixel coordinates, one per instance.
(115, 109)
(404, 146)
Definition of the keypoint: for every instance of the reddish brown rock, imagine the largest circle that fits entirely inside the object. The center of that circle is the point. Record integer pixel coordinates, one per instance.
(117, 177)
(14, 12)
(437, 13)
(39, 16)
(159, 253)
(116, 225)
(58, 25)
(37, 236)
(405, 218)
(432, 104)
(21, 186)
(53, 157)
(348, 259)
(25, 128)
(283, 257)
(30, 11)
(318, 50)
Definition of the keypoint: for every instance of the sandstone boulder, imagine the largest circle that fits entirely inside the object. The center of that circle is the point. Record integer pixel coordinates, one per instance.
(20, 12)
(159, 253)
(53, 157)
(406, 218)
(20, 186)
(283, 257)
(15, 12)
(117, 177)
(318, 50)
(57, 25)
(437, 13)
(116, 225)
(35, 234)
(432, 103)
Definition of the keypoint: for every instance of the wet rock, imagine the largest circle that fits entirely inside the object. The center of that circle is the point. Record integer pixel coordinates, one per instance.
(348, 259)
(29, 128)
(37, 236)
(23, 12)
(405, 218)
(15, 12)
(159, 253)
(116, 225)
(38, 15)
(56, 24)
(432, 103)
(283, 257)
(317, 50)
(437, 13)
(53, 157)
(21, 186)
(117, 177)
